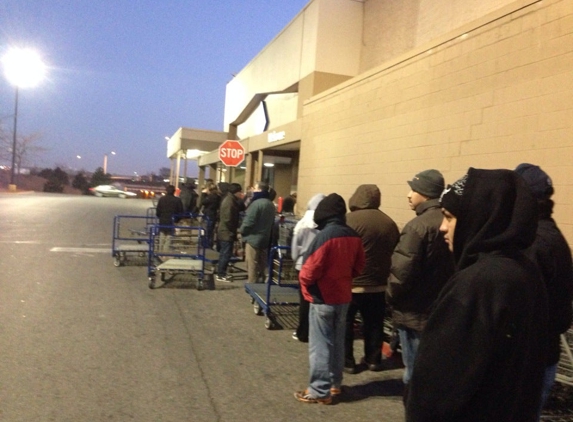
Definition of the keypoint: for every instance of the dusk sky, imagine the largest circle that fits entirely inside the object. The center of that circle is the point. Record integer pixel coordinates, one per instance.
(123, 74)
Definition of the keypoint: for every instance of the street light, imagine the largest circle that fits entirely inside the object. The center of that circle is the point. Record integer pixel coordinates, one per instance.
(105, 162)
(23, 68)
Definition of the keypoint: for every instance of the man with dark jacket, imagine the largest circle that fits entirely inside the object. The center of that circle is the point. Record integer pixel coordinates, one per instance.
(421, 265)
(229, 213)
(379, 234)
(552, 255)
(189, 197)
(169, 208)
(210, 202)
(332, 260)
(482, 354)
(256, 231)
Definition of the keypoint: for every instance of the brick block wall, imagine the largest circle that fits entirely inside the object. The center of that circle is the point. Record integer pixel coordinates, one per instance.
(491, 96)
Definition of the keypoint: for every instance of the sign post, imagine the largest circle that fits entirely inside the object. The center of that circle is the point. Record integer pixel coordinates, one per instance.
(231, 153)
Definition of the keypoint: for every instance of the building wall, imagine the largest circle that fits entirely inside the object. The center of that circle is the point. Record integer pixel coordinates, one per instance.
(321, 44)
(392, 27)
(491, 94)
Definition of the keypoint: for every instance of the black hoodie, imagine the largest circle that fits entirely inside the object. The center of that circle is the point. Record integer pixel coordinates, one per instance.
(481, 356)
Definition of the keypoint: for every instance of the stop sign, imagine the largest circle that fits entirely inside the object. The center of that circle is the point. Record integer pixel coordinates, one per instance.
(231, 153)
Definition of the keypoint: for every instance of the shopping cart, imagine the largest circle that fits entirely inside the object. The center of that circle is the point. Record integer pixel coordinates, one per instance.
(565, 366)
(281, 287)
(177, 250)
(130, 236)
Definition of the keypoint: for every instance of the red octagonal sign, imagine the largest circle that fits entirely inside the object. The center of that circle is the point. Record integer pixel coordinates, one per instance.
(231, 153)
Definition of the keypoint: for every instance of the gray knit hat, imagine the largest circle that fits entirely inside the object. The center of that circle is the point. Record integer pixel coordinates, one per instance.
(429, 183)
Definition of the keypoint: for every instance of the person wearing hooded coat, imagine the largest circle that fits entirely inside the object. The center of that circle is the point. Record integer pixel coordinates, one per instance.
(229, 215)
(256, 231)
(482, 354)
(379, 235)
(332, 260)
(304, 233)
(552, 255)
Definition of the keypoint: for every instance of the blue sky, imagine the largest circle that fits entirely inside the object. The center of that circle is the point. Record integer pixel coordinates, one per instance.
(123, 74)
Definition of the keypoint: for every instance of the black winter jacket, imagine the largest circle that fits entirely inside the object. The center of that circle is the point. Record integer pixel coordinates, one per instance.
(421, 266)
(552, 255)
(481, 356)
(168, 206)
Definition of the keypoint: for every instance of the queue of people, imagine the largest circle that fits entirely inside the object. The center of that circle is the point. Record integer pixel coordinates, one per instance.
(479, 286)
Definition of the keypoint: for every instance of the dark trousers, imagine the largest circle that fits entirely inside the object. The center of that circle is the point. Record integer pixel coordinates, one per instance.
(372, 307)
(302, 328)
(209, 233)
(225, 254)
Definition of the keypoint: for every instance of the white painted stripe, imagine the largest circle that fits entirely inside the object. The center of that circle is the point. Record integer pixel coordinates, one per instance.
(27, 242)
(81, 250)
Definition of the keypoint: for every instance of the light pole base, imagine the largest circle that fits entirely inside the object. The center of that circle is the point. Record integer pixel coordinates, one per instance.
(12, 188)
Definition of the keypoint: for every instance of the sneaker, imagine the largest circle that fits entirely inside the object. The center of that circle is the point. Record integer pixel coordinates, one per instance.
(335, 391)
(305, 397)
(297, 338)
(224, 279)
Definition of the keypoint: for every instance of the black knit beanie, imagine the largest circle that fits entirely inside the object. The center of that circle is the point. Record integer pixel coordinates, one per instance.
(451, 198)
(234, 188)
(331, 206)
(538, 181)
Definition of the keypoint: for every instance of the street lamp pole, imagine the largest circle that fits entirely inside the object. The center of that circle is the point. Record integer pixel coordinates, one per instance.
(13, 168)
(23, 68)
(105, 162)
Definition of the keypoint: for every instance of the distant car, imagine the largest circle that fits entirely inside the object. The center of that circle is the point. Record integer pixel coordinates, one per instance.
(109, 190)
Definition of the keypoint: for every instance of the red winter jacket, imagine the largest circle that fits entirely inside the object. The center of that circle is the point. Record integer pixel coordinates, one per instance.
(333, 259)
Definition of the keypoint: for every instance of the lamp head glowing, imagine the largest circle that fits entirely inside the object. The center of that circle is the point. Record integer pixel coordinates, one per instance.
(23, 67)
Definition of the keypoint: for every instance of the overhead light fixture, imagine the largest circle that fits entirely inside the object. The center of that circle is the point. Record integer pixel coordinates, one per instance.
(269, 164)
(194, 153)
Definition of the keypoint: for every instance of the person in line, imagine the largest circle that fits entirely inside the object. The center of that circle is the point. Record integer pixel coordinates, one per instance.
(229, 214)
(256, 231)
(189, 197)
(168, 211)
(304, 233)
(288, 206)
(482, 355)
(333, 259)
(421, 265)
(552, 255)
(379, 234)
(210, 202)
(283, 219)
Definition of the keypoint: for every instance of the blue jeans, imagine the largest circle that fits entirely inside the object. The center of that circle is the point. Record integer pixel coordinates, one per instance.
(327, 325)
(548, 381)
(409, 340)
(225, 253)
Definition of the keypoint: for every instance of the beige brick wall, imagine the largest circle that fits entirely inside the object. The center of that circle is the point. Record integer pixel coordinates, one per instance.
(489, 97)
(393, 27)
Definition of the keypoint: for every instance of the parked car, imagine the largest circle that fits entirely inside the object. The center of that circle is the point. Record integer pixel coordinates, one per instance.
(110, 190)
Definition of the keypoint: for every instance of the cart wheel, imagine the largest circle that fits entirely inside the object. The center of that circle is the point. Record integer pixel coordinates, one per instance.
(116, 261)
(200, 285)
(141, 254)
(152, 282)
(257, 308)
(269, 323)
